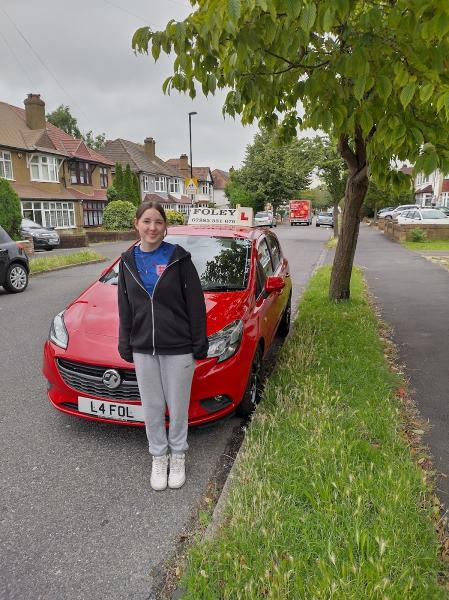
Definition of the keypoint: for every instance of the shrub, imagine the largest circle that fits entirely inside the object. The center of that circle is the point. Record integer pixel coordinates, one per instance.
(174, 217)
(111, 193)
(418, 235)
(119, 215)
(10, 213)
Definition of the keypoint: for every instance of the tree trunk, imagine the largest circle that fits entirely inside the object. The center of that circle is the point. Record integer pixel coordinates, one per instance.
(356, 188)
(336, 215)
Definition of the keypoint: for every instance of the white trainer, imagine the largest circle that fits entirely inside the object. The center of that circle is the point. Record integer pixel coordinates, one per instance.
(158, 479)
(177, 474)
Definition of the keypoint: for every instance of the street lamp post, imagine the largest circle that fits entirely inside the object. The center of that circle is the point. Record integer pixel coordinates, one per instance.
(190, 142)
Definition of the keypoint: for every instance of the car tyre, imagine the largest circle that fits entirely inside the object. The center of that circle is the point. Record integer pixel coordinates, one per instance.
(16, 278)
(284, 324)
(251, 397)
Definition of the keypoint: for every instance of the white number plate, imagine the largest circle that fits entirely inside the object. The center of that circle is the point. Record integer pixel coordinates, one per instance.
(110, 410)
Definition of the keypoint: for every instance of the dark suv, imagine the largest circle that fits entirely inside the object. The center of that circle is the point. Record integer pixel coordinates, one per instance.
(14, 266)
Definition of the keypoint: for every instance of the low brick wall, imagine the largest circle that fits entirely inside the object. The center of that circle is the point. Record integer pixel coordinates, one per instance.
(95, 236)
(73, 241)
(402, 233)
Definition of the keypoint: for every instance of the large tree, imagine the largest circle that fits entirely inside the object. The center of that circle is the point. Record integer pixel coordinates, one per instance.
(273, 171)
(333, 172)
(373, 75)
(63, 118)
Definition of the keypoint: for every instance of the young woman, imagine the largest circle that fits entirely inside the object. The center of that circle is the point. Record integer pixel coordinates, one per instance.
(162, 330)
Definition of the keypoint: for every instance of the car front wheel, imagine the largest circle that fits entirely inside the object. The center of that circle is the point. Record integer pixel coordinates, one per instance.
(251, 396)
(16, 279)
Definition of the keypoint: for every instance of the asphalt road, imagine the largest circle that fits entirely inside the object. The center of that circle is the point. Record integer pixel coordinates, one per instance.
(78, 519)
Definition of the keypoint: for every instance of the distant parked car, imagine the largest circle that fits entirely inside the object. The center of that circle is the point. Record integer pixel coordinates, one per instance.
(325, 218)
(384, 210)
(43, 237)
(423, 216)
(14, 267)
(263, 219)
(393, 214)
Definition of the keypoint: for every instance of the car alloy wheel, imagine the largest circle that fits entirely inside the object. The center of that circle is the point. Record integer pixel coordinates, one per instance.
(16, 279)
(252, 393)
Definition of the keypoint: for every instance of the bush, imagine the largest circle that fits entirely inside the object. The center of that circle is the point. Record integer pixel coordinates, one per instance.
(119, 215)
(418, 235)
(174, 217)
(111, 193)
(10, 213)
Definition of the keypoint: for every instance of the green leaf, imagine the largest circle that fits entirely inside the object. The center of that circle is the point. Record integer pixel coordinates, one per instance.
(384, 86)
(407, 94)
(417, 136)
(293, 8)
(359, 87)
(234, 9)
(366, 122)
(308, 16)
(426, 92)
(328, 19)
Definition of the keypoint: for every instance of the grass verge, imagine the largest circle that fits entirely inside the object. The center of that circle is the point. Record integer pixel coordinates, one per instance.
(326, 501)
(428, 245)
(48, 263)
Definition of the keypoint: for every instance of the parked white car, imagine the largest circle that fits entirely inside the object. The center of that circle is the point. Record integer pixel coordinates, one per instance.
(263, 219)
(393, 214)
(423, 216)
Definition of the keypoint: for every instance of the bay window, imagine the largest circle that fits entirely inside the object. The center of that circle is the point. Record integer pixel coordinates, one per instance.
(145, 183)
(44, 168)
(50, 214)
(160, 183)
(5, 165)
(174, 186)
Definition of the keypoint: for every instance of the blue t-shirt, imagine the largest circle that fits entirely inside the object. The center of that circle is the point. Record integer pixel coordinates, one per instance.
(150, 265)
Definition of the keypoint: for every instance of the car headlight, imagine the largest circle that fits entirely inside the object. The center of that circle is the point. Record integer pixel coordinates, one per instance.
(226, 342)
(58, 332)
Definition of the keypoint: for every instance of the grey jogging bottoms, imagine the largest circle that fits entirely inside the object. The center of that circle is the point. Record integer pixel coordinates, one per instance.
(165, 381)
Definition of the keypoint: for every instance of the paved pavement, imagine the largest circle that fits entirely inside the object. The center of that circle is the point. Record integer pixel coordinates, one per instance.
(412, 294)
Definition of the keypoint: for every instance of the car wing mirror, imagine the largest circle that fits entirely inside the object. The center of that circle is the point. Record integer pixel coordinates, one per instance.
(274, 284)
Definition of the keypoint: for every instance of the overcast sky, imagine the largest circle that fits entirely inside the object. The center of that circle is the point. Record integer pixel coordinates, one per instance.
(79, 54)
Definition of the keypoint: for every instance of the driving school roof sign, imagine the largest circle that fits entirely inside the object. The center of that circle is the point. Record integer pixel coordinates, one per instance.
(241, 216)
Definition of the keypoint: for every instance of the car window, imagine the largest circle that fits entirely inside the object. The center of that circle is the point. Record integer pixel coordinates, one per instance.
(4, 237)
(433, 214)
(222, 263)
(261, 215)
(275, 250)
(30, 224)
(407, 214)
(263, 256)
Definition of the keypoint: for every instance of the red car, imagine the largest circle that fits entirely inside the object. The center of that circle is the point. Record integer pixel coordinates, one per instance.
(247, 288)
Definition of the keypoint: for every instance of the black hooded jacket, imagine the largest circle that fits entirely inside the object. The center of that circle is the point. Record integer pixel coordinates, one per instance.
(172, 320)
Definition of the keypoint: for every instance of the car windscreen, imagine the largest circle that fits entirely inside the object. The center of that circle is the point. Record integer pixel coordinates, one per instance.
(433, 214)
(261, 215)
(222, 263)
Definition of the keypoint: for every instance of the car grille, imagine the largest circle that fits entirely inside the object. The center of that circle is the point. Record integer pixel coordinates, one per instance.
(88, 379)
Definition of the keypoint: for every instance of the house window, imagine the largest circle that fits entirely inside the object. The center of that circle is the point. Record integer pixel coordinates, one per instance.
(145, 183)
(205, 188)
(103, 177)
(44, 168)
(93, 212)
(174, 186)
(80, 173)
(50, 214)
(5, 165)
(160, 184)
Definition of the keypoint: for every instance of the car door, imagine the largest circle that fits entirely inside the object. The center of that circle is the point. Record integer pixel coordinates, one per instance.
(280, 269)
(5, 241)
(265, 304)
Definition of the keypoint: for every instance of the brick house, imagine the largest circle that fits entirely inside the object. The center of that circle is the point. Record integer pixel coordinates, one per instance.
(220, 179)
(60, 181)
(202, 174)
(158, 180)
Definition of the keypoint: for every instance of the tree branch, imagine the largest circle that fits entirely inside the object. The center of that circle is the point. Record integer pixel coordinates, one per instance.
(346, 153)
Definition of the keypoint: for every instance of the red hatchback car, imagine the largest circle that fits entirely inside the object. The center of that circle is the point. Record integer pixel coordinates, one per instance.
(247, 288)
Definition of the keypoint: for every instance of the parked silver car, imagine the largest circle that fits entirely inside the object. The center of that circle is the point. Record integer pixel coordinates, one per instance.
(324, 218)
(393, 214)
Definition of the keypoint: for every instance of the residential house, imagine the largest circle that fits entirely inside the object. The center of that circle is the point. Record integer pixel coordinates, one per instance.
(220, 179)
(203, 175)
(60, 181)
(157, 179)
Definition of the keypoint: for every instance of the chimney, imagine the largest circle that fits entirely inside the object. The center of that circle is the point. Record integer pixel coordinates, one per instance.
(184, 167)
(149, 147)
(35, 111)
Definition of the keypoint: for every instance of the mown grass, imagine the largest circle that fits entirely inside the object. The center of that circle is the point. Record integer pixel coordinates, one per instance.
(428, 245)
(47, 263)
(326, 501)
